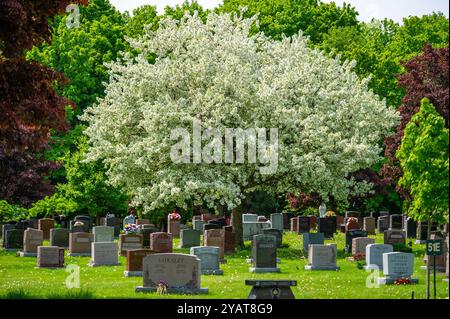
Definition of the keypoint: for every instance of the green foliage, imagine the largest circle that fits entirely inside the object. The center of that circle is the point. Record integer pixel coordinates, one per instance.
(80, 53)
(287, 17)
(379, 47)
(142, 16)
(424, 159)
(9, 212)
(52, 206)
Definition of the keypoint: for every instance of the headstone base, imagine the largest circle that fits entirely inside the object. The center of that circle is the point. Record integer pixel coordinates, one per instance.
(50, 267)
(92, 264)
(127, 273)
(79, 254)
(250, 260)
(445, 279)
(25, 254)
(271, 289)
(212, 272)
(391, 281)
(173, 290)
(11, 249)
(310, 267)
(223, 261)
(419, 242)
(263, 270)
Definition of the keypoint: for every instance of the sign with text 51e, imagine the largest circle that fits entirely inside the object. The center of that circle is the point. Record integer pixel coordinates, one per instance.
(434, 247)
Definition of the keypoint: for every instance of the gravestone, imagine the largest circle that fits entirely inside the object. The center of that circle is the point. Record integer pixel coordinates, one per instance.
(180, 273)
(375, 215)
(422, 231)
(262, 219)
(142, 221)
(287, 220)
(322, 257)
(374, 254)
(77, 228)
(339, 222)
(294, 224)
(271, 289)
(198, 225)
(130, 241)
(353, 234)
(86, 220)
(352, 224)
(384, 213)
(196, 217)
(189, 238)
(50, 257)
(264, 252)
(382, 224)
(277, 221)
(114, 222)
(161, 242)
(359, 245)
(396, 221)
(312, 238)
(249, 218)
(369, 225)
(394, 236)
(207, 217)
(173, 227)
(13, 239)
(209, 226)
(146, 230)
(104, 254)
(249, 229)
(230, 240)
(215, 238)
(303, 224)
(103, 234)
(275, 232)
(313, 222)
(32, 238)
(327, 226)
(59, 237)
(209, 259)
(45, 224)
(4, 229)
(80, 244)
(355, 214)
(134, 262)
(411, 228)
(397, 266)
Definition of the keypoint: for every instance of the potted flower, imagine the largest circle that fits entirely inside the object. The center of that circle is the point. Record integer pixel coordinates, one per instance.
(131, 229)
(173, 223)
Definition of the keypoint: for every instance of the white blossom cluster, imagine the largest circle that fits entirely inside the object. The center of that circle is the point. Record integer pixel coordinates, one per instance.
(330, 124)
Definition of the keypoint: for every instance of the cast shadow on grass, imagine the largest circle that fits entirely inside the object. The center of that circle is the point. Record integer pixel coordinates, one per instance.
(71, 294)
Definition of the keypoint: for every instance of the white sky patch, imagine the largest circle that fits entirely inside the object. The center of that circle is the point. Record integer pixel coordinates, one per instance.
(368, 9)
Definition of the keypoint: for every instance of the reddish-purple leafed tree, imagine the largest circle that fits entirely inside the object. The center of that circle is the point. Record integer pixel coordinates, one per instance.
(426, 76)
(29, 106)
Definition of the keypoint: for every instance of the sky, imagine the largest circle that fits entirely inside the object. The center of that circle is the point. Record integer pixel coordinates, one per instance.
(368, 9)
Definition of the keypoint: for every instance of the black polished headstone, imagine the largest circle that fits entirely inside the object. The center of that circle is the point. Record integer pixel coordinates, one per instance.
(271, 289)
(349, 235)
(327, 226)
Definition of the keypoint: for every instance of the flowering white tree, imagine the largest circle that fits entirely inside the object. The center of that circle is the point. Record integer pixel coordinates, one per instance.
(217, 74)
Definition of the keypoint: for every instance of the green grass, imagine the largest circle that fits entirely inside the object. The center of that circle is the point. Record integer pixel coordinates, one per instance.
(19, 278)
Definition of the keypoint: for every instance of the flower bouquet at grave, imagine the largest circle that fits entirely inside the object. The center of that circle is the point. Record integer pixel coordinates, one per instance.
(131, 228)
(359, 256)
(330, 213)
(162, 287)
(402, 281)
(174, 216)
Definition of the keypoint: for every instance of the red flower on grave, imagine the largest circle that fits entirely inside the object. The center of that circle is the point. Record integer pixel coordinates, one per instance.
(174, 215)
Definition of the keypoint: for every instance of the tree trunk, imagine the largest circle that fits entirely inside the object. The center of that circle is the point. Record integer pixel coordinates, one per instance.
(428, 261)
(237, 225)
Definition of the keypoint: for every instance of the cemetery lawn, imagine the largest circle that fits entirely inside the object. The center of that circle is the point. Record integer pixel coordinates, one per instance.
(20, 279)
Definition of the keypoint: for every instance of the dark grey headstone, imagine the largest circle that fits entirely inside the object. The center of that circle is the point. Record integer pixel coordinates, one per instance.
(264, 251)
(211, 226)
(327, 226)
(312, 239)
(271, 289)
(274, 232)
(396, 221)
(4, 229)
(115, 222)
(411, 228)
(303, 224)
(59, 237)
(14, 239)
(349, 235)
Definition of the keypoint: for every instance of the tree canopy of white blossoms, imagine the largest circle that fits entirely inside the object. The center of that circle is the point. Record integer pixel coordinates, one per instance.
(217, 72)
